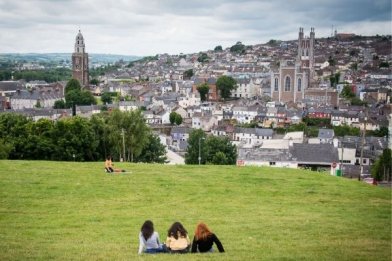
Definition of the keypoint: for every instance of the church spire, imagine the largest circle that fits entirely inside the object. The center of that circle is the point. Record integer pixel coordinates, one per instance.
(80, 61)
(79, 43)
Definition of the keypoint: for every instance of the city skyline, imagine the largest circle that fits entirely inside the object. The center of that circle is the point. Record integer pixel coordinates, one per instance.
(174, 26)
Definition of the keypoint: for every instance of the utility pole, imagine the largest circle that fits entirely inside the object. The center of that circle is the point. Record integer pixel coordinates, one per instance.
(341, 158)
(341, 144)
(201, 138)
(123, 141)
(362, 144)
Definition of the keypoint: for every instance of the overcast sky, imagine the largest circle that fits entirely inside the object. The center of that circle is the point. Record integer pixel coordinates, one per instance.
(149, 27)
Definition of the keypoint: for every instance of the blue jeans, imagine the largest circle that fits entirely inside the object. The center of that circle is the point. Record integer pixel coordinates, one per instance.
(161, 249)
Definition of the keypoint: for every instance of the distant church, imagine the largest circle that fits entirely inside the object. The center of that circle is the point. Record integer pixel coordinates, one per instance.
(294, 76)
(80, 61)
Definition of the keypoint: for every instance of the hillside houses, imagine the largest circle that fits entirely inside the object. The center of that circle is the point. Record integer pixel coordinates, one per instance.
(254, 114)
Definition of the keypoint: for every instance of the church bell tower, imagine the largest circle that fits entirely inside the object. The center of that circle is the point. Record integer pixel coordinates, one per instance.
(80, 61)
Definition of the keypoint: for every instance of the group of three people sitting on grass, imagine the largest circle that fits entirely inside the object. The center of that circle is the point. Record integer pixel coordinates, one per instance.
(177, 240)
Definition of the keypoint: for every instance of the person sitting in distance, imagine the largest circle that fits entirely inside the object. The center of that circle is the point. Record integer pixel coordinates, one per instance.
(177, 240)
(204, 239)
(109, 166)
(149, 239)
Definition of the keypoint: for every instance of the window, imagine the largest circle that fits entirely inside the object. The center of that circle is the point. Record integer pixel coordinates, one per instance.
(287, 84)
(299, 84)
(276, 84)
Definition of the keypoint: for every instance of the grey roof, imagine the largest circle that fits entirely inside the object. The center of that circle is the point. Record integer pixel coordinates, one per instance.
(177, 129)
(10, 86)
(314, 153)
(35, 95)
(263, 154)
(255, 131)
(326, 134)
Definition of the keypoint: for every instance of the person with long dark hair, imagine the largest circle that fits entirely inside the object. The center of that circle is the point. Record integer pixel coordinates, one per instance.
(204, 239)
(177, 239)
(149, 239)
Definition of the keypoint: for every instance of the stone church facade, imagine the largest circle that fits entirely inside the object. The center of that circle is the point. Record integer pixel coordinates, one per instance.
(293, 77)
(80, 61)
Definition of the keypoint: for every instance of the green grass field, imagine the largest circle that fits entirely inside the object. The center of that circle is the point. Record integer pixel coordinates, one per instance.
(74, 211)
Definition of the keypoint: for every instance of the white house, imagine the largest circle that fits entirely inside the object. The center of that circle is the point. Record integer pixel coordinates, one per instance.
(244, 114)
(31, 99)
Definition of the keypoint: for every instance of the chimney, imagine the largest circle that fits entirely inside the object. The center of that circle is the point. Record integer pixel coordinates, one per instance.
(335, 143)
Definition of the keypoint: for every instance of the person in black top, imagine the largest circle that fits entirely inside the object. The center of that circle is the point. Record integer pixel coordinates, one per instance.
(204, 239)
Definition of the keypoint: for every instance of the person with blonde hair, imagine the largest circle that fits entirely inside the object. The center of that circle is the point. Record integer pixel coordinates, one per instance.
(204, 239)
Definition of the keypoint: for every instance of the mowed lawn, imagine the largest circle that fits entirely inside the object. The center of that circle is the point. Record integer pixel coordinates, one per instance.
(75, 211)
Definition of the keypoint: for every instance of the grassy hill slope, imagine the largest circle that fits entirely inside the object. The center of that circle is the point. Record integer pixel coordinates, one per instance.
(74, 211)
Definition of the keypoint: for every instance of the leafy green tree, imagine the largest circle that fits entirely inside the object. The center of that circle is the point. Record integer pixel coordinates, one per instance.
(13, 129)
(213, 150)
(225, 85)
(331, 61)
(59, 104)
(354, 66)
(129, 130)
(5, 149)
(175, 118)
(203, 57)
(178, 119)
(238, 48)
(188, 74)
(218, 48)
(5, 75)
(383, 65)
(196, 137)
(203, 91)
(39, 144)
(72, 84)
(94, 81)
(332, 81)
(347, 92)
(381, 132)
(87, 98)
(74, 136)
(382, 169)
(153, 152)
(79, 97)
(345, 130)
(50, 75)
(272, 42)
(101, 135)
(357, 101)
(106, 98)
(219, 150)
(220, 159)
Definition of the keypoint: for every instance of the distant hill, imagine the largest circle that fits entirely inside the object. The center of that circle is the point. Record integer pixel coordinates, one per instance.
(58, 57)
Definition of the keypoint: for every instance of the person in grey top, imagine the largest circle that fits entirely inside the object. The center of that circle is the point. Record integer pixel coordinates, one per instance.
(149, 239)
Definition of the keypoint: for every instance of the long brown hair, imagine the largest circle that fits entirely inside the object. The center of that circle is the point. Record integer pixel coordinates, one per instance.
(177, 229)
(147, 229)
(202, 231)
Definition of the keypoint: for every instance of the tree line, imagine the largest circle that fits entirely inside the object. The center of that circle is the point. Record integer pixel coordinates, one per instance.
(48, 75)
(120, 134)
